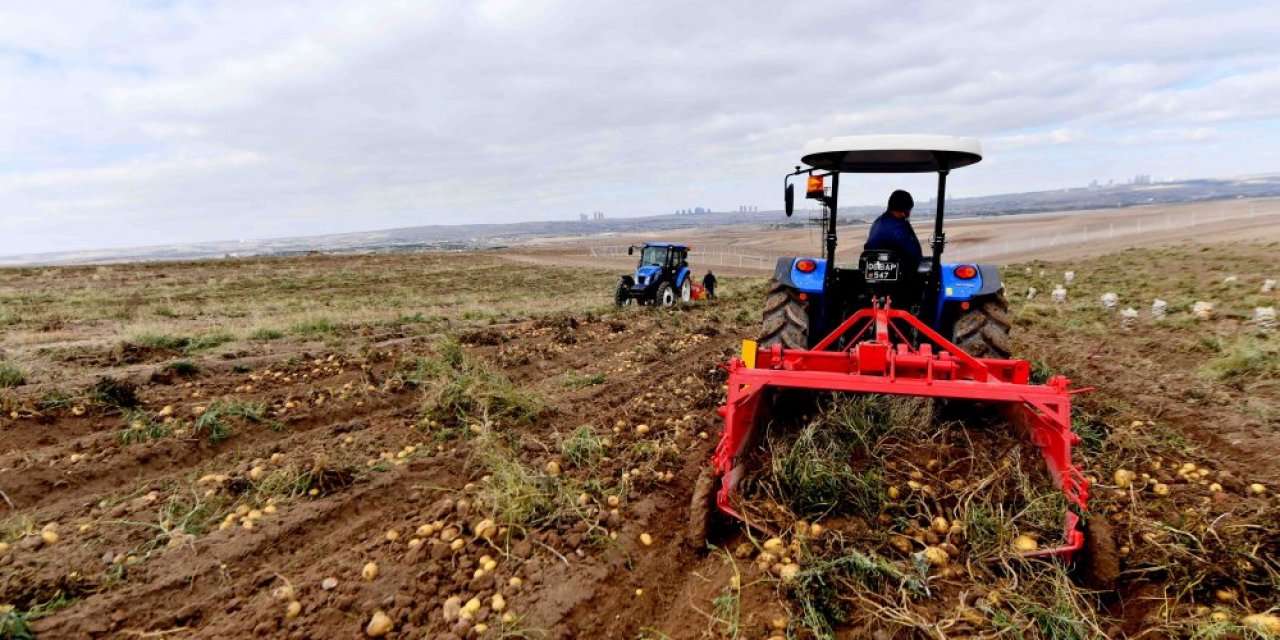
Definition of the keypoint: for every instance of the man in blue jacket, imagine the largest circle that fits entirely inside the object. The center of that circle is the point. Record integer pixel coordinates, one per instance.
(892, 232)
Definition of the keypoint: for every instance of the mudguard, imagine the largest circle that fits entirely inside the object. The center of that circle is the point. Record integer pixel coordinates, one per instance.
(680, 277)
(786, 273)
(986, 282)
(991, 282)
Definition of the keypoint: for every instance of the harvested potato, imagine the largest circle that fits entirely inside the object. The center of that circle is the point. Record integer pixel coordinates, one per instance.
(486, 529)
(1025, 543)
(1264, 622)
(452, 609)
(940, 526)
(935, 556)
(379, 625)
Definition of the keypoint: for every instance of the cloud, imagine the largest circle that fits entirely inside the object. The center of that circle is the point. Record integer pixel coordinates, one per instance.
(230, 118)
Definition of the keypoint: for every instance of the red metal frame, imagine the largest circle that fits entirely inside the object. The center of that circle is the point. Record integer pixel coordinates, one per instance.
(882, 365)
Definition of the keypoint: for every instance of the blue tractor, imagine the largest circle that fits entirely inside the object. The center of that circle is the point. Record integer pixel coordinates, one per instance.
(809, 297)
(662, 277)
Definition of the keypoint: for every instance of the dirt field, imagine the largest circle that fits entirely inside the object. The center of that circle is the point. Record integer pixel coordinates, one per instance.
(457, 446)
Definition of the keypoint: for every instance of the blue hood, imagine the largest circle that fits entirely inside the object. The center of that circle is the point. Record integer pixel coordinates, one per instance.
(645, 272)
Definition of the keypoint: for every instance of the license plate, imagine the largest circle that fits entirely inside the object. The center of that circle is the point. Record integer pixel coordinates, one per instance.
(880, 271)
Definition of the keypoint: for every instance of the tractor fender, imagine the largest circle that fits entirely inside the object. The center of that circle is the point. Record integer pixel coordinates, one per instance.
(990, 275)
(985, 283)
(785, 272)
(684, 273)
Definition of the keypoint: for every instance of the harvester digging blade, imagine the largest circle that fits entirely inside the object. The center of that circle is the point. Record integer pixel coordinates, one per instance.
(881, 364)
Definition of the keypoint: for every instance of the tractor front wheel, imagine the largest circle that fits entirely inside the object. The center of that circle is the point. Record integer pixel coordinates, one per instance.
(702, 507)
(666, 295)
(983, 330)
(621, 295)
(786, 318)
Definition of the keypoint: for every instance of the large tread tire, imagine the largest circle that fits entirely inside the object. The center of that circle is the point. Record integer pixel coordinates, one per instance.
(1099, 562)
(702, 508)
(686, 290)
(786, 318)
(983, 330)
(666, 295)
(620, 297)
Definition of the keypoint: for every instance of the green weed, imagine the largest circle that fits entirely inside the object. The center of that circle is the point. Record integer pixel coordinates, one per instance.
(459, 389)
(114, 393)
(584, 447)
(215, 423)
(183, 368)
(314, 328)
(825, 587)
(165, 341)
(141, 426)
(265, 334)
(11, 376)
(575, 380)
(1246, 359)
(207, 341)
(515, 493)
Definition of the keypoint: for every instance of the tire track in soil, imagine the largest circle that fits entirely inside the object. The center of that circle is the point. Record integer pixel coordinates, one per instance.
(596, 596)
(222, 579)
(112, 465)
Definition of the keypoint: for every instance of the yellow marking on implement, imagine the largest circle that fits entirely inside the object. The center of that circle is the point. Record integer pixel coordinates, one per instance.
(749, 353)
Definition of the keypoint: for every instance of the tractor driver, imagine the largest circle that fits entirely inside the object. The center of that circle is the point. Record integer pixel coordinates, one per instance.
(892, 232)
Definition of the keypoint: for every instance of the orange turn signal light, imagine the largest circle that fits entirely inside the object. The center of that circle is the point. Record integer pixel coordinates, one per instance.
(966, 272)
(816, 186)
(806, 266)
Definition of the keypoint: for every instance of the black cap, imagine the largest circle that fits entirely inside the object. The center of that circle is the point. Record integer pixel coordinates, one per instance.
(901, 201)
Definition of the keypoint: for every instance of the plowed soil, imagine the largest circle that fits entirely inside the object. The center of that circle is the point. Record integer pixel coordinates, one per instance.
(259, 473)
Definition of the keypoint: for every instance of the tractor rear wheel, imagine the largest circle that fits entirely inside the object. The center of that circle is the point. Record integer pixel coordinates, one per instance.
(702, 507)
(983, 330)
(786, 318)
(686, 290)
(666, 295)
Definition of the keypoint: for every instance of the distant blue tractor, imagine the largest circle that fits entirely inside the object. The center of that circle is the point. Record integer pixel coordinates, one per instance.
(662, 277)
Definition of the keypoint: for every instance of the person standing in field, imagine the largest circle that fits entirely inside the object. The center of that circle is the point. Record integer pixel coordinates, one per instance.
(709, 283)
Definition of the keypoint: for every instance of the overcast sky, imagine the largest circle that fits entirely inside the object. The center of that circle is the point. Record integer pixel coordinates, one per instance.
(134, 123)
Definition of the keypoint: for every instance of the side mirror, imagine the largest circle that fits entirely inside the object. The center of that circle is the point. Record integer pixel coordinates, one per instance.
(789, 197)
(631, 250)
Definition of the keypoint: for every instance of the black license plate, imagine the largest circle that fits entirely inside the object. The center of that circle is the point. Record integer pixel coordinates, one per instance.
(880, 271)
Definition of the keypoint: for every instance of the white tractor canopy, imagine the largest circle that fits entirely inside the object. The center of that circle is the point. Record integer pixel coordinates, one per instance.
(892, 153)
